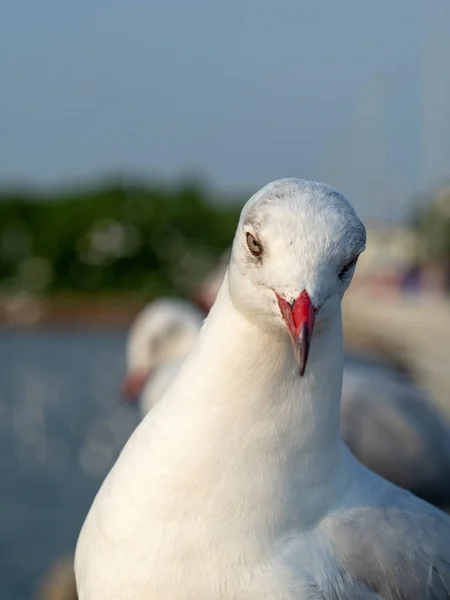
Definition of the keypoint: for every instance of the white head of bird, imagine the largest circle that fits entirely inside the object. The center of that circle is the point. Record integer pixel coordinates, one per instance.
(165, 330)
(293, 257)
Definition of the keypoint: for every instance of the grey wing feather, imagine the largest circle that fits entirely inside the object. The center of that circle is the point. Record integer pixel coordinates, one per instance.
(392, 428)
(398, 548)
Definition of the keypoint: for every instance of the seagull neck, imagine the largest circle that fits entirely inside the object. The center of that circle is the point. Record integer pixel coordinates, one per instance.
(259, 367)
(246, 417)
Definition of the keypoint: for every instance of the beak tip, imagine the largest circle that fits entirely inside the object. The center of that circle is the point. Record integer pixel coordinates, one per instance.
(299, 318)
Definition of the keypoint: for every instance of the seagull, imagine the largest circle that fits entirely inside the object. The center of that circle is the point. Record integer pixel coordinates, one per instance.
(392, 427)
(238, 483)
(164, 331)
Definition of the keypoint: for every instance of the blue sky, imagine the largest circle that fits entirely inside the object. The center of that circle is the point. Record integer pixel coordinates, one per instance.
(240, 92)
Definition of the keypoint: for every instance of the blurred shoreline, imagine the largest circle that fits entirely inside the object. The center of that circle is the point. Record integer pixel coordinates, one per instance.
(25, 310)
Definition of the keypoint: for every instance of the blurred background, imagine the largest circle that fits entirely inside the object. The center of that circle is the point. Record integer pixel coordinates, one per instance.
(131, 134)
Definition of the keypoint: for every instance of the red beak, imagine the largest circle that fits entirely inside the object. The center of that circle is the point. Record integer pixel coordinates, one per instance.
(133, 385)
(299, 318)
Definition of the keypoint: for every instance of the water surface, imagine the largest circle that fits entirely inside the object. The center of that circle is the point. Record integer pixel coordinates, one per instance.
(62, 424)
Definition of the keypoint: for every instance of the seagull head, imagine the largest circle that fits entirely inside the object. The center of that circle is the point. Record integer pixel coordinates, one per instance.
(293, 257)
(164, 331)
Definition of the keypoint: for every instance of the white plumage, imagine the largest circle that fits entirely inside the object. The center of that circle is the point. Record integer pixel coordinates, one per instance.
(238, 484)
(389, 424)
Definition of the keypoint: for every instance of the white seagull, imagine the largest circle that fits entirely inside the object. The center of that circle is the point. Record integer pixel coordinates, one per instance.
(161, 336)
(237, 485)
(392, 427)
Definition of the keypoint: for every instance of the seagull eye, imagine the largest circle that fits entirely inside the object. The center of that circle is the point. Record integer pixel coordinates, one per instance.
(253, 245)
(347, 267)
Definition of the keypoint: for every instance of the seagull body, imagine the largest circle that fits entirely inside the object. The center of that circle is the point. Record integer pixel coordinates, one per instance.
(237, 485)
(388, 424)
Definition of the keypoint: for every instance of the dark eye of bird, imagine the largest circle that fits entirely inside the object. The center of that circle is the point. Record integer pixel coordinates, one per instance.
(253, 245)
(347, 267)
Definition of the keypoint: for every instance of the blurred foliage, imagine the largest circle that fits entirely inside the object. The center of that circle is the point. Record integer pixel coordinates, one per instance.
(117, 238)
(431, 220)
